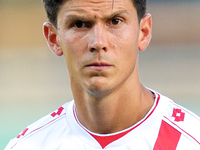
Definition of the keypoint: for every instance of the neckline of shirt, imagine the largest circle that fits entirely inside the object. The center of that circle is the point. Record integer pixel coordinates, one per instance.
(106, 139)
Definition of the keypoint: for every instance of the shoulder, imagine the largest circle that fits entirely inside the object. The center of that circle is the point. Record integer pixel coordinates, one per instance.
(41, 127)
(183, 120)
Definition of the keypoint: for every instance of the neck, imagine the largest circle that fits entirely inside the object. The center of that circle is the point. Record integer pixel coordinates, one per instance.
(115, 111)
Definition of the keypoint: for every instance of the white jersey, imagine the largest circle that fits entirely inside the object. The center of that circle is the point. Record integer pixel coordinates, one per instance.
(167, 126)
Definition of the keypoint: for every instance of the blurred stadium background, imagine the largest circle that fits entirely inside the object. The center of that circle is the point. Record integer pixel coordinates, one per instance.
(34, 82)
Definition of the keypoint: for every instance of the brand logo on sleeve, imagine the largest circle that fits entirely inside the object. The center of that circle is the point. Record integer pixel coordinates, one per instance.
(58, 112)
(178, 115)
(23, 133)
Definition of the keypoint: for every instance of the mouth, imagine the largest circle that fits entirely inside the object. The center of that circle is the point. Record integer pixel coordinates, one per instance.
(99, 66)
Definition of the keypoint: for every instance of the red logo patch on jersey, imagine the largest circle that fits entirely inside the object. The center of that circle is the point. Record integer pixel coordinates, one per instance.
(178, 115)
(23, 133)
(58, 112)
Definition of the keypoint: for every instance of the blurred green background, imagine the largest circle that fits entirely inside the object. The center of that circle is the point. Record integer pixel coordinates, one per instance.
(34, 82)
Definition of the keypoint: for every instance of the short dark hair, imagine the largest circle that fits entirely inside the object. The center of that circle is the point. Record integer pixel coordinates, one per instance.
(52, 7)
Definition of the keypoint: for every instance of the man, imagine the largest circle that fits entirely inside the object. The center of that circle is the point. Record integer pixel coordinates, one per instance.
(111, 109)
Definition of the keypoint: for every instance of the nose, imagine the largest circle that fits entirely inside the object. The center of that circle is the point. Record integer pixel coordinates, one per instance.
(97, 39)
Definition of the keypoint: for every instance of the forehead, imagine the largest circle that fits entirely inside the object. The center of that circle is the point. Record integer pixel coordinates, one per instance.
(95, 6)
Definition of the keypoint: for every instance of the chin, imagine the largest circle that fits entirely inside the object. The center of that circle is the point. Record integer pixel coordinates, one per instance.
(98, 92)
(98, 87)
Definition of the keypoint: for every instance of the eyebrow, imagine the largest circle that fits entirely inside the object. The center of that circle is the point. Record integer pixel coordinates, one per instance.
(76, 17)
(117, 13)
(84, 17)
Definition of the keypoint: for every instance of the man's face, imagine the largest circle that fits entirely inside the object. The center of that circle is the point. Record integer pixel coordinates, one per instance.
(100, 41)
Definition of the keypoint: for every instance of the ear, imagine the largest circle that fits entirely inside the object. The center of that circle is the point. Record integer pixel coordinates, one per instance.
(50, 34)
(145, 32)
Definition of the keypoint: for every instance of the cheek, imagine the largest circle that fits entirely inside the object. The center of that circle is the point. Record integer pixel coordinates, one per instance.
(70, 50)
(127, 50)
(127, 43)
(126, 37)
(72, 45)
(71, 42)
(74, 48)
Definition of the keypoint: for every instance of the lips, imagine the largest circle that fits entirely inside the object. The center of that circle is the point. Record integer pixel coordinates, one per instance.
(99, 65)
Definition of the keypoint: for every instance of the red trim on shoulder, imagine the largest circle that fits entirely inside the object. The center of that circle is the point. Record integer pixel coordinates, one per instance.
(106, 140)
(183, 130)
(38, 128)
(168, 137)
(192, 114)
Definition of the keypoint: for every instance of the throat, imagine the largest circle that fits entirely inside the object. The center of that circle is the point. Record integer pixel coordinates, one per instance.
(104, 138)
(113, 113)
(108, 117)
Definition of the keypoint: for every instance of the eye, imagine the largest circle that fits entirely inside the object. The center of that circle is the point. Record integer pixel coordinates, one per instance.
(115, 21)
(79, 24)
